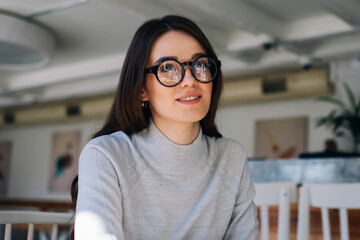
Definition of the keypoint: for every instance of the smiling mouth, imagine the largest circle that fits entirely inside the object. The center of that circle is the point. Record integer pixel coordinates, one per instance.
(189, 98)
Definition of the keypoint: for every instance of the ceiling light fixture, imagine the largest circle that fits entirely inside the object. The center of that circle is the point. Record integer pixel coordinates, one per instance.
(55, 7)
(24, 43)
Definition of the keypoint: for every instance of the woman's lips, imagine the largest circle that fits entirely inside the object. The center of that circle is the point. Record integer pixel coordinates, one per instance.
(189, 99)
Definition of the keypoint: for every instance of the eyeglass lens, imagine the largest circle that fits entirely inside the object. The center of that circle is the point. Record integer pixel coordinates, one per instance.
(170, 72)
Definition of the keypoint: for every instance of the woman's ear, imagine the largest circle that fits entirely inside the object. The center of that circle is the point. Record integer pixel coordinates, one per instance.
(144, 95)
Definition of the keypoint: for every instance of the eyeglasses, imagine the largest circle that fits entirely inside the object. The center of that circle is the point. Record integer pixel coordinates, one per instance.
(170, 72)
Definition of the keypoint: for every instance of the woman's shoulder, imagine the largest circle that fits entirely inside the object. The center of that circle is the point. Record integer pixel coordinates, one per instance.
(115, 142)
(117, 148)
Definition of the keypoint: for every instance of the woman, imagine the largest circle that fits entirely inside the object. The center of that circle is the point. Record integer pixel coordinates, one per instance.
(159, 168)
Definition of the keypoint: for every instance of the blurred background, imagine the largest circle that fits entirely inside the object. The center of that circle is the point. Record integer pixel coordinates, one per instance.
(60, 61)
(291, 71)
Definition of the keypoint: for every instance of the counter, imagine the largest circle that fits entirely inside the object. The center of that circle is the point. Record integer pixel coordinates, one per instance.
(306, 170)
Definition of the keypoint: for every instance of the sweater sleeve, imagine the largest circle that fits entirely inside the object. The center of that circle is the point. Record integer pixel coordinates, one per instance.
(98, 209)
(244, 223)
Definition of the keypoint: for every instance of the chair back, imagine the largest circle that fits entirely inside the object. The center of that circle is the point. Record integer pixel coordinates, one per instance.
(10, 217)
(340, 196)
(281, 194)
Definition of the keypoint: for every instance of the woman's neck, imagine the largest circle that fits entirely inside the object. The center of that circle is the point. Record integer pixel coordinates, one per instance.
(182, 133)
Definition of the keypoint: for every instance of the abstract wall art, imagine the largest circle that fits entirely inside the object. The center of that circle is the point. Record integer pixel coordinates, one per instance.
(280, 138)
(64, 160)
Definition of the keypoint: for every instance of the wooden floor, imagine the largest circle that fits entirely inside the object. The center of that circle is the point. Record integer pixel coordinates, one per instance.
(315, 223)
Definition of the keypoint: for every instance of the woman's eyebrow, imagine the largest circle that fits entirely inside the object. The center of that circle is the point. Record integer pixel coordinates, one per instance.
(163, 58)
(200, 54)
(194, 56)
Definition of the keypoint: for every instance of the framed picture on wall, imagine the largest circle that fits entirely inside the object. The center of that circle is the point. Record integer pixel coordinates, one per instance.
(280, 138)
(5, 151)
(64, 160)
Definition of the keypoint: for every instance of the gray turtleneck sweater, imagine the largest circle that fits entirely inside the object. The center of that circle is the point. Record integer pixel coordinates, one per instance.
(144, 186)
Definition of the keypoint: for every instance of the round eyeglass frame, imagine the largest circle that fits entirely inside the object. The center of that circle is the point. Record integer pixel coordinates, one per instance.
(155, 68)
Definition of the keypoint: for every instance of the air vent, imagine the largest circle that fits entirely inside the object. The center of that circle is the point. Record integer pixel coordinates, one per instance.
(9, 118)
(73, 111)
(277, 85)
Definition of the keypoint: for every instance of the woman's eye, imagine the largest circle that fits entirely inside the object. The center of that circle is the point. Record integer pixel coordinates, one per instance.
(167, 67)
(201, 64)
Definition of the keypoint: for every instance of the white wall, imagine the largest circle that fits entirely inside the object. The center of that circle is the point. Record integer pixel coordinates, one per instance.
(238, 122)
(30, 159)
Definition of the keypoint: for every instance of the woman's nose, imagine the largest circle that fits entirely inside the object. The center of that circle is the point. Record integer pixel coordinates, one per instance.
(189, 79)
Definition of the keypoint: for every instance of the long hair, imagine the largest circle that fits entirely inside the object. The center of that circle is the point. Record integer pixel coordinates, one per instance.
(126, 113)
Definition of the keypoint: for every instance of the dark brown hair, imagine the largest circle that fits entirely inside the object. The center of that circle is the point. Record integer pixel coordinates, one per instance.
(126, 113)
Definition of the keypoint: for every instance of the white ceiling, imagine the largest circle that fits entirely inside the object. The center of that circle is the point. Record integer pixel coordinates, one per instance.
(92, 38)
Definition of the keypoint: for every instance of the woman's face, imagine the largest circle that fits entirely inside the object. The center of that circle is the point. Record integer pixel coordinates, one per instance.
(187, 102)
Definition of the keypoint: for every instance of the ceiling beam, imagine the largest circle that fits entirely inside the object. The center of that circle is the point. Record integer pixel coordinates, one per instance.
(227, 14)
(315, 27)
(241, 26)
(218, 34)
(242, 40)
(148, 9)
(63, 74)
(217, 37)
(347, 10)
(343, 47)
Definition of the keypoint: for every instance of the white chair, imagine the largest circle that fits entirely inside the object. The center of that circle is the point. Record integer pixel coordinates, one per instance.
(340, 196)
(31, 218)
(275, 193)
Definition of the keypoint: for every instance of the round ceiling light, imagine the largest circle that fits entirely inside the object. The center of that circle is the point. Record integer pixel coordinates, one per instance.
(24, 43)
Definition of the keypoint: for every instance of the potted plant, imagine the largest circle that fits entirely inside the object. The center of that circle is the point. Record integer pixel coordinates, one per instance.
(344, 120)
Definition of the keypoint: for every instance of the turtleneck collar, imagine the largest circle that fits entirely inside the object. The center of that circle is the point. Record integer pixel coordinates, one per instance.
(168, 156)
